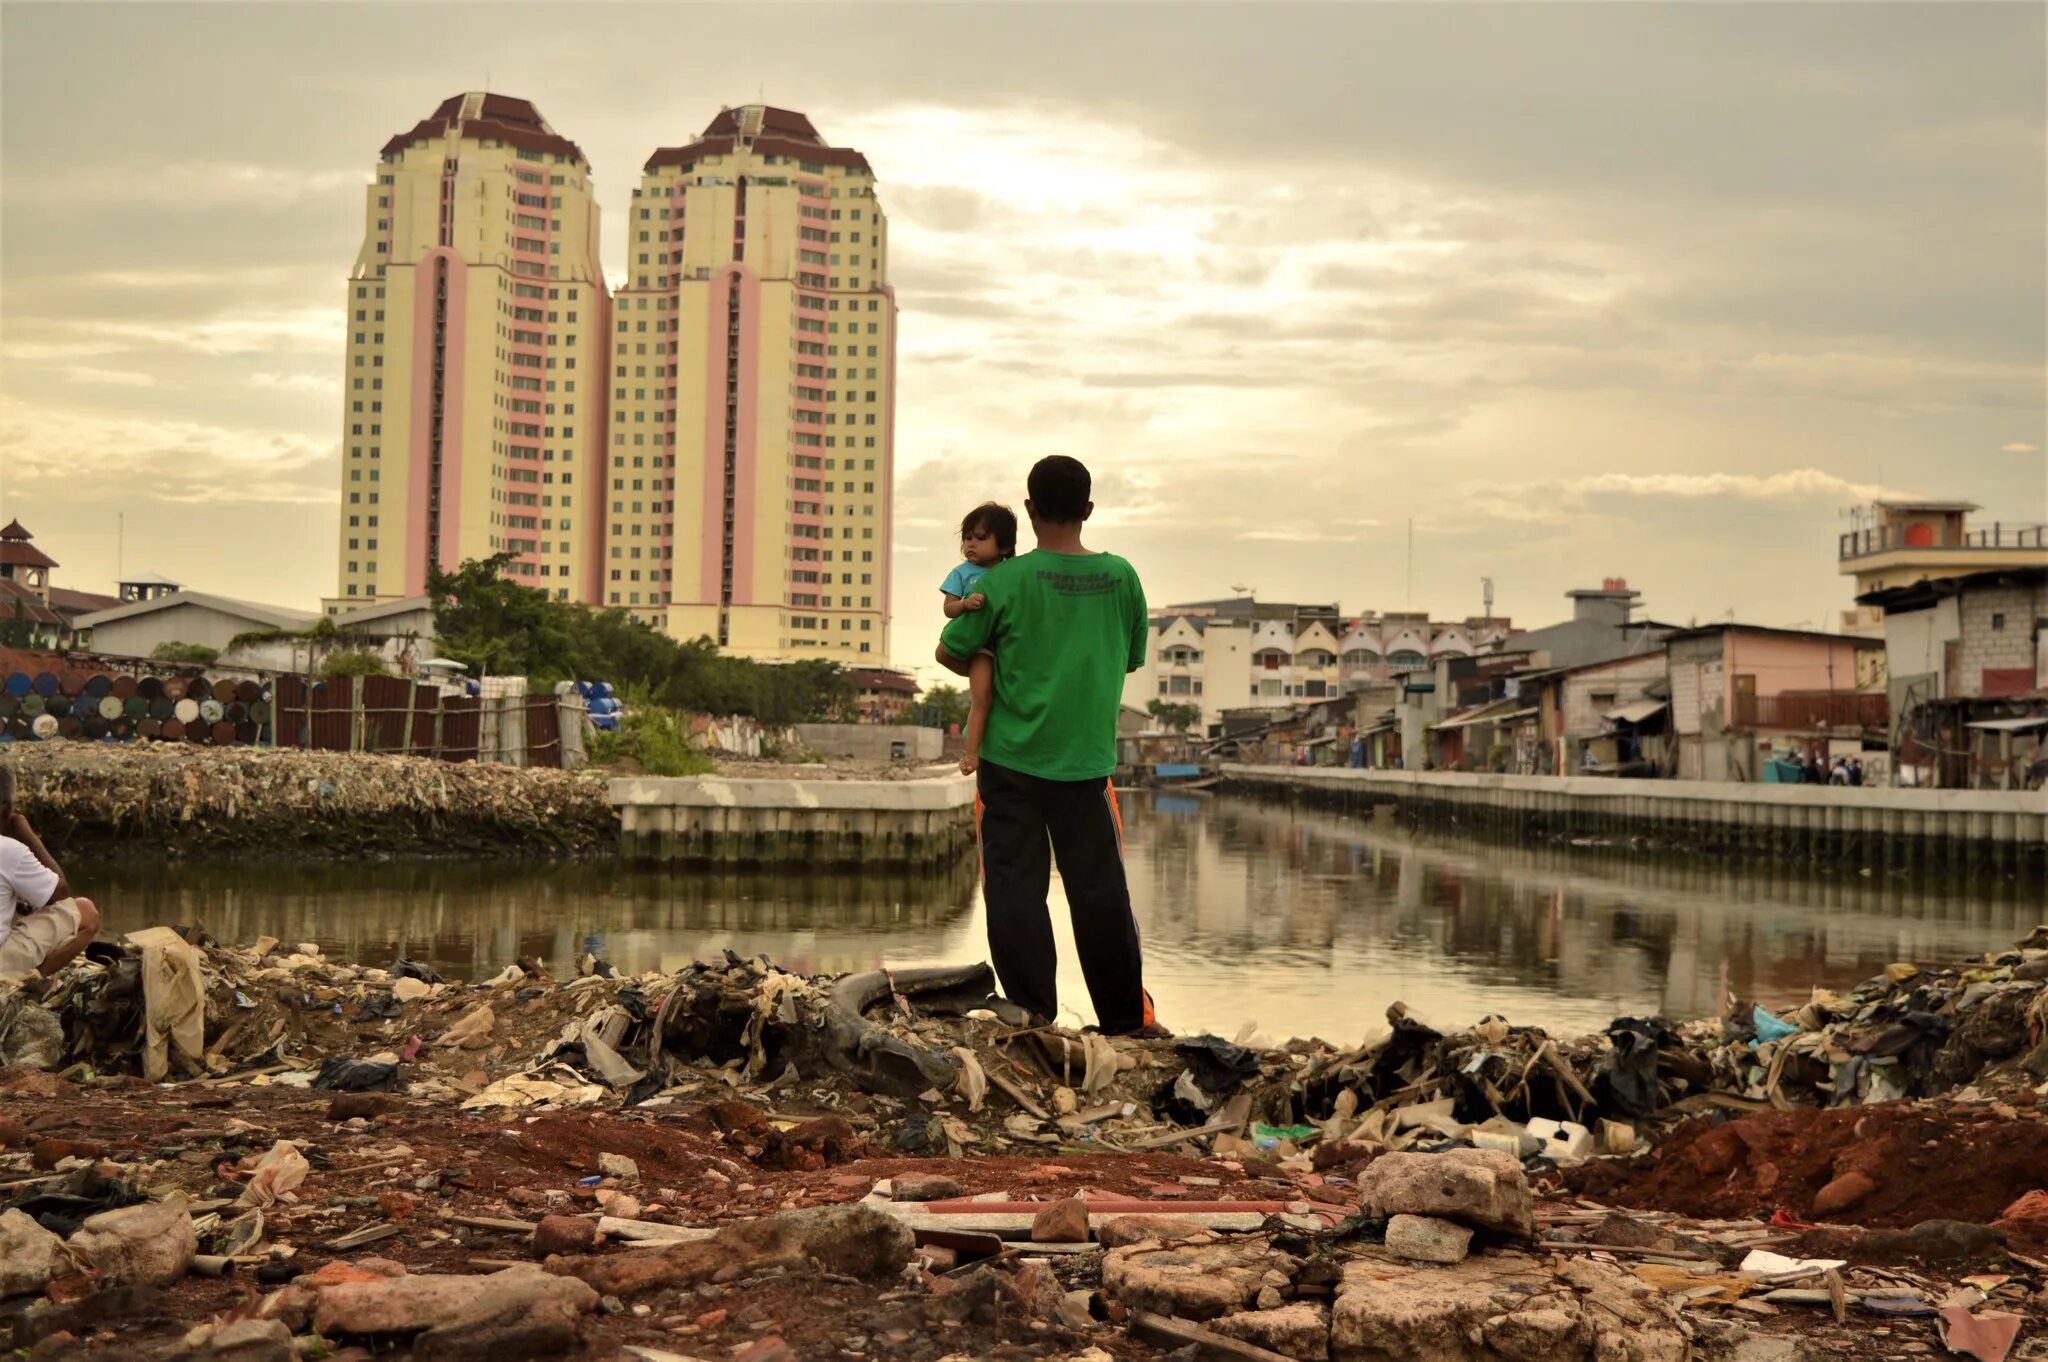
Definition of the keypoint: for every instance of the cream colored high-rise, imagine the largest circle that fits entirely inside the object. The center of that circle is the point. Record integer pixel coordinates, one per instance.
(473, 402)
(753, 395)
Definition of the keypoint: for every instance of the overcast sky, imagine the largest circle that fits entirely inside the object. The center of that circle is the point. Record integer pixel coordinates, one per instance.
(1653, 291)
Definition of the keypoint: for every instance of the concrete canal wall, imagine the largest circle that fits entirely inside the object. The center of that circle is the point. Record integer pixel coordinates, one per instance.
(1973, 832)
(708, 820)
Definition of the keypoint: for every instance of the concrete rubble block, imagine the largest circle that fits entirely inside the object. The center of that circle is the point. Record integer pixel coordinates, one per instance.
(922, 1187)
(252, 1340)
(1426, 1239)
(1061, 1222)
(617, 1166)
(520, 1312)
(1300, 1330)
(29, 1255)
(564, 1234)
(1193, 1281)
(147, 1245)
(1126, 1230)
(853, 1240)
(1482, 1188)
(1499, 1306)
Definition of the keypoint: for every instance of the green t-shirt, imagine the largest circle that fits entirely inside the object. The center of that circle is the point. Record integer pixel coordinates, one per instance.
(1066, 628)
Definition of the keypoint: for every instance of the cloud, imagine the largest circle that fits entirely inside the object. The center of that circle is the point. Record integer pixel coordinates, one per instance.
(118, 378)
(1802, 484)
(2017, 447)
(299, 383)
(172, 461)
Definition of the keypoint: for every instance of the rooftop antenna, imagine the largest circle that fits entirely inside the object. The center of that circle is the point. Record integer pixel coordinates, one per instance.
(1408, 593)
(1241, 589)
(120, 544)
(1486, 593)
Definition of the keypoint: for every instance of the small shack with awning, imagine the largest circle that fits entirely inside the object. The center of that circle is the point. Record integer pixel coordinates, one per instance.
(2010, 753)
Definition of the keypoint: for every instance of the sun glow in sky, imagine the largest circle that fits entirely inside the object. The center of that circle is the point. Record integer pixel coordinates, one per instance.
(1653, 291)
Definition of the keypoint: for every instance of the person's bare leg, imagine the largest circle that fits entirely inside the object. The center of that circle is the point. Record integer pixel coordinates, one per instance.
(981, 686)
(88, 928)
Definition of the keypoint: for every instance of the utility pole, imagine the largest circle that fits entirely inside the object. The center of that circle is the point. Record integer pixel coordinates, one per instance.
(1408, 596)
(1486, 594)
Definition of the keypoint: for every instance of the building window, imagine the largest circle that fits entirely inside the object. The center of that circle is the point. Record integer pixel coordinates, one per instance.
(1998, 621)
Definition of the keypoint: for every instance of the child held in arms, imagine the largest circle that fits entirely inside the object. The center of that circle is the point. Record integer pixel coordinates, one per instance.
(988, 536)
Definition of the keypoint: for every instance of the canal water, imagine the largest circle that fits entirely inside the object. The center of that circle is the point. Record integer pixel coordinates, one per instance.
(1303, 923)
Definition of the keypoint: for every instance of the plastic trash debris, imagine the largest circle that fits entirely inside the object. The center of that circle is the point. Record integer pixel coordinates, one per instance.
(472, 1031)
(1777, 1264)
(403, 968)
(341, 1074)
(174, 1001)
(1769, 1028)
(1987, 1337)
(273, 1174)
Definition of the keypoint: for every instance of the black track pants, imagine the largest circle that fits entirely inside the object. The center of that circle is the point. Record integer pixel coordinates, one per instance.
(1022, 818)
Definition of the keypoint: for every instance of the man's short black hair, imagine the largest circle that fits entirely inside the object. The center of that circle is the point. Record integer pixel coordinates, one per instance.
(1059, 488)
(996, 518)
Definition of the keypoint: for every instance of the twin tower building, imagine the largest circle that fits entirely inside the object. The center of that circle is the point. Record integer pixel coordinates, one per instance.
(709, 445)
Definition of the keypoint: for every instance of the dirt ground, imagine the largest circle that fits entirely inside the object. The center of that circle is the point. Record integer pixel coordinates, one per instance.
(1925, 1161)
(421, 1168)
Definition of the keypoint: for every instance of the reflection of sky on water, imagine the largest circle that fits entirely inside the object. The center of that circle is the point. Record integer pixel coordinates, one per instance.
(1308, 923)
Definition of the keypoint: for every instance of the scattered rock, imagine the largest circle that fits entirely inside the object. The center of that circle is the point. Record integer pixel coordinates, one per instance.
(146, 1245)
(252, 1340)
(922, 1187)
(1300, 1330)
(853, 1240)
(564, 1234)
(1073, 1310)
(1844, 1192)
(47, 1154)
(1125, 1230)
(1426, 1239)
(29, 1255)
(350, 1106)
(1501, 1305)
(1483, 1188)
(619, 1205)
(1193, 1281)
(519, 1312)
(1061, 1222)
(617, 1166)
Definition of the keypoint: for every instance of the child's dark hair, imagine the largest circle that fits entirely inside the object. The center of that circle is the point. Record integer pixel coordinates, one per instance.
(998, 520)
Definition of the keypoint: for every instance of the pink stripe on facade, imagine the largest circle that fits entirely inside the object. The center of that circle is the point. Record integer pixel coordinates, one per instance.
(746, 460)
(593, 469)
(886, 550)
(451, 424)
(710, 551)
(419, 438)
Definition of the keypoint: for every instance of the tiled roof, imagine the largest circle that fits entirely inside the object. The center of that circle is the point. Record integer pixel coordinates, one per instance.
(18, 602)
(486, 117)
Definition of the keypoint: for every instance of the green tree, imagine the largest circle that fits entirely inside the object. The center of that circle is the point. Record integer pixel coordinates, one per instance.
(947, 706)
(1174, 718)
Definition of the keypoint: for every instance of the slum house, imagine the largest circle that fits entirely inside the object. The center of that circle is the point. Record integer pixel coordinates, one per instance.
(400, 631)
(1613, 716)
(1739, 692)
(1479, 699)
(1967, 673)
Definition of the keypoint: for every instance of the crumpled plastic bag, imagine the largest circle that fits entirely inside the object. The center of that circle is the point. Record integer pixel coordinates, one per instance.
(275, 1172)
(31, 1035)
(174, 1001)
(338, 1073)
(972, 1082)
(472, 1031)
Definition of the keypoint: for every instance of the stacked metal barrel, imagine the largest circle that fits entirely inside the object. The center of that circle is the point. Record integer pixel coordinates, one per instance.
(118, 707)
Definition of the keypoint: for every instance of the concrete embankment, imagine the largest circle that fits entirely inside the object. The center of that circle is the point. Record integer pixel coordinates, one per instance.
(709, 820)
(1969, 832)
(166, 802)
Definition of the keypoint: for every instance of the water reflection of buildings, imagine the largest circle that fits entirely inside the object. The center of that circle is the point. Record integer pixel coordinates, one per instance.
(1309, 922)
(1237, 880)
(470, 918)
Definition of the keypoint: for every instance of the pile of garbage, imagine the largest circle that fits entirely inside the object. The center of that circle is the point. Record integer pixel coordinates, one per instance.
(962, 1067)
(178, 800)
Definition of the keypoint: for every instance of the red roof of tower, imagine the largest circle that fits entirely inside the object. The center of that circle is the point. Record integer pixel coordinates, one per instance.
(486, 117)
(775, 132)
(16, 551)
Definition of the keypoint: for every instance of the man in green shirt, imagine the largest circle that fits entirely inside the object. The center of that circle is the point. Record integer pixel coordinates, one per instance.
(1066, 624)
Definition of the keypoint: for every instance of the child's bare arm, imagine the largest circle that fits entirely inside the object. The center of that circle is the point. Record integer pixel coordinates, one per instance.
(957, 606)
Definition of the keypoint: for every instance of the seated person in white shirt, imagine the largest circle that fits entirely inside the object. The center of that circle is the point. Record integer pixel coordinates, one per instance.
(43, 925)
